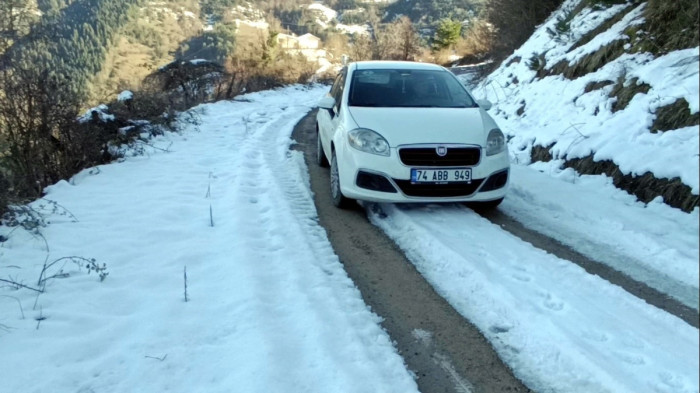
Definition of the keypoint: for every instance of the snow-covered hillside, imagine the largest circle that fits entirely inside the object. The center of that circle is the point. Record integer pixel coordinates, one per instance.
(545, 98)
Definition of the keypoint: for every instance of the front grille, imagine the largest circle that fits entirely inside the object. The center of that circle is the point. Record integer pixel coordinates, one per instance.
(438, 190)
(427, 156)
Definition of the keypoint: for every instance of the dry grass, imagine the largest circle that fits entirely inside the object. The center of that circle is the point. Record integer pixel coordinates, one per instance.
(672, 25)
(591, 86)
(594, 61)
(603, 27)
(541, 153)
(645, 187)
(625, 91)
(674, 116)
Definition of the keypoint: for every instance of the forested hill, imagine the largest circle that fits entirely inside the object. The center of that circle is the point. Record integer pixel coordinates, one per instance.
(69, 40)
(430, 12)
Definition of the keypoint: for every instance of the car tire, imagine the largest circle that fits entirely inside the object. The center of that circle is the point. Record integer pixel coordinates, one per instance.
(339, 200)
(321, 159)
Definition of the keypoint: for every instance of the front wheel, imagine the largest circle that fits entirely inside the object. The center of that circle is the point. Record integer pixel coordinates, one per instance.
(321, 159)
(339, 200)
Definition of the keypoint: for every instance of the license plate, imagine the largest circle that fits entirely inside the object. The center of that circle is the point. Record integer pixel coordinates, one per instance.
(440, 176)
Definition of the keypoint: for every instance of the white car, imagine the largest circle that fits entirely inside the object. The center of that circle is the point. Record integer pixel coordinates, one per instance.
(409, 132)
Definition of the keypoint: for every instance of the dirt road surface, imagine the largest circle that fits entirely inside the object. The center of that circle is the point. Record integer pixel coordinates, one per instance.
(445, 351)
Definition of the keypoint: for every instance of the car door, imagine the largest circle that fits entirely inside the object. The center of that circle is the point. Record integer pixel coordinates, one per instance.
(328, 121)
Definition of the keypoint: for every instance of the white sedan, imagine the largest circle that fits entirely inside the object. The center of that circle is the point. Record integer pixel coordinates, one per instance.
(409, 132)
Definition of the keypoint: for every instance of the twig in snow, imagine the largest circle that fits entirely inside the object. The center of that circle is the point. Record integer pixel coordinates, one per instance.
(186, 297)
(18, 303)
(20, 285)
(208, 195)
(40, 318)
(157, 358)
(167, 149)
(90, 264)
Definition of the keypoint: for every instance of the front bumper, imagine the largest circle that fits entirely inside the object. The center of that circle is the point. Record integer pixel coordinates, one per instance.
(369, 177)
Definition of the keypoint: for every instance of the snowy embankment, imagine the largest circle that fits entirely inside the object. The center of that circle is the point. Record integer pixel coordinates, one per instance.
(558, 327)
(576, 118)
(659, 248)
(270, 307)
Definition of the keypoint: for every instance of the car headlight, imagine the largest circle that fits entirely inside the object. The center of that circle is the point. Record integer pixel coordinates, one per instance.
(368, 141)
(495, 143)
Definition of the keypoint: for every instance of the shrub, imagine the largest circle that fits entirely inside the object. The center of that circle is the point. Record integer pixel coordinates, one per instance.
(672, 25)
(4, 193)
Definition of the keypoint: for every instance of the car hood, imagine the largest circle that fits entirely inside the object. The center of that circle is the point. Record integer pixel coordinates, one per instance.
(401, 126)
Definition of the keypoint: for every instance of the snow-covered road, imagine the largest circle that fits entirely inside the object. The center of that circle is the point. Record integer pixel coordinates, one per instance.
(271, 308)
(560, 328)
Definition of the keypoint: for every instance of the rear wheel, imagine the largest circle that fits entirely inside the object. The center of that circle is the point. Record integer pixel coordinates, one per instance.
(339, 200)
(321, 159)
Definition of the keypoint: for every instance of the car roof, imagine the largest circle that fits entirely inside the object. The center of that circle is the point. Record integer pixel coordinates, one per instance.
(395, 65)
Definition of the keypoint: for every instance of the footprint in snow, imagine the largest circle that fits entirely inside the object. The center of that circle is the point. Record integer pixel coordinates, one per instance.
(631, 358)
(521, 277)
(552, 303)
(595, 336)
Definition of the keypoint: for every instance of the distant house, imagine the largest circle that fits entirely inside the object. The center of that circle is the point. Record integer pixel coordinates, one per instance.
(287, 41)
(309, 41)
(290, 41)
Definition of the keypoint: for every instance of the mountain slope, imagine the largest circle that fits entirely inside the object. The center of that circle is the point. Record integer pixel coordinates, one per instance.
(594, 90)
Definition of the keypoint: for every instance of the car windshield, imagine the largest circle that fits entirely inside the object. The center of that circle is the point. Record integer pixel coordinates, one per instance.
(408, 88)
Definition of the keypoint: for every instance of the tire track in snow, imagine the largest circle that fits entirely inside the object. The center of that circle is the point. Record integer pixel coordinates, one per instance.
(270, 187)
(550, 315)
(460, 357)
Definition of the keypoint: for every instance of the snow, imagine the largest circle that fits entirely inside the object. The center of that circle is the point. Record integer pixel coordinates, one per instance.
(559, 113)
(100, 111)
(353, 29)
(559, 328)
(269, 299)
(328, 13)
(125, 96)
(653, 243)
(270, 307)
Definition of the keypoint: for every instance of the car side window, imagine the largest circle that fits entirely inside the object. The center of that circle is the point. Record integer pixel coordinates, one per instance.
(458, 92)
(338, 88)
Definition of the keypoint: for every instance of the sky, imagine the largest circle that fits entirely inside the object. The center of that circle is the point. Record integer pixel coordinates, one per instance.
(269, 308)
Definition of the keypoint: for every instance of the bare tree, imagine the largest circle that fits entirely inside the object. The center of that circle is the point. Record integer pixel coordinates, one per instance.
(409, 39)
(361, 48)
(15, 20)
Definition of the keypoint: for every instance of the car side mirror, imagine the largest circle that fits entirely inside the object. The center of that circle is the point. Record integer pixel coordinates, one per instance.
(326, 103)
(486, 104)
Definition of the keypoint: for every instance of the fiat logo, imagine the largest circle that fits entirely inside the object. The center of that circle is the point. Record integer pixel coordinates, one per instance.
(441, 151)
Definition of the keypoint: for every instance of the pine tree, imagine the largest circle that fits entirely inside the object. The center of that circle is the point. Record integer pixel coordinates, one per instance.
(447, 34)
